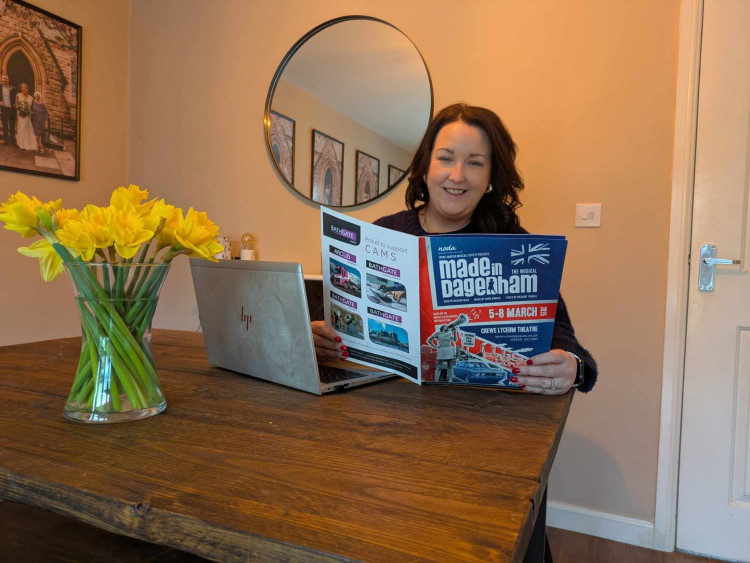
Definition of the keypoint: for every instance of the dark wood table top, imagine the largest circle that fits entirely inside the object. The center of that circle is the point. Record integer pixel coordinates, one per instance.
(237, 468)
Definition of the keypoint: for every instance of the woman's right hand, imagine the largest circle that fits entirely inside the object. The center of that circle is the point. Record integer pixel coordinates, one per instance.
(327, 343)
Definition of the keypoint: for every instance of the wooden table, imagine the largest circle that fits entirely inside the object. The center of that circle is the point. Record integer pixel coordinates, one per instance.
(242, 469)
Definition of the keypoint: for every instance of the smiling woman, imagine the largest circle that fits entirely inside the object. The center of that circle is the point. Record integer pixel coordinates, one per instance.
(359, 81)
(462, 180)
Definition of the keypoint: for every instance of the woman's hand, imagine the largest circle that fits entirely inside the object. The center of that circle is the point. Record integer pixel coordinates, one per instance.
(551, 373)
(327, 343)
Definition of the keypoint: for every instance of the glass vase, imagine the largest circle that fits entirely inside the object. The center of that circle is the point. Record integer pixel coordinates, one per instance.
(116, 378)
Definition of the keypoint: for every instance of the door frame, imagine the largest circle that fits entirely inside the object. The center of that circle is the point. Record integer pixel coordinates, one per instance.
(683, 179)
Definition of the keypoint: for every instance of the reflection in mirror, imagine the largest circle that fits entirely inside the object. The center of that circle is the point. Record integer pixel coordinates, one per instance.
(352, 85)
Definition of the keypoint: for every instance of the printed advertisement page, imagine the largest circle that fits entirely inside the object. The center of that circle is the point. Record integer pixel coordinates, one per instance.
(487, 303)
(371, 292)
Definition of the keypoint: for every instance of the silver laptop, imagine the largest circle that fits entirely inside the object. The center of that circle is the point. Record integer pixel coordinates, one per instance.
(256, 321)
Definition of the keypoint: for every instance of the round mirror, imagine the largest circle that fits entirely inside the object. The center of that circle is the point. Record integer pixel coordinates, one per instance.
(346, 110)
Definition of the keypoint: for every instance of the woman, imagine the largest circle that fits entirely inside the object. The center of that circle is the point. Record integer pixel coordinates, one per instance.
(24, 130)
(39, 118)
(463, 179)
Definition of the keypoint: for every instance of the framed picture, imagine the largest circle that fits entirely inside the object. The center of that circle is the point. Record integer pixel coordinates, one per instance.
(327, 169)
(368, 177)
(282, 144)
(40, 61)
(394, 175)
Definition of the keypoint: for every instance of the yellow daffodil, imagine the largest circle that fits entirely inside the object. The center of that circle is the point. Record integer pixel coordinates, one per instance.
(95, 219)
(64, 215)
(171, 215)
(50, 263)
(21, 213)
(78, 237)
(197, 233)
(133, 195)
(127, 229)
(157, 215)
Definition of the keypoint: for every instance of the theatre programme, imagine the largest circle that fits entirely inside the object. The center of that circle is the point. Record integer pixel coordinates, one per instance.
(441, 309)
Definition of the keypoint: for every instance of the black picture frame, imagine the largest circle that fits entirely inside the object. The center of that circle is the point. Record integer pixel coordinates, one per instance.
(42, 51)
(282, 133)
(327, 170)
(367, 183)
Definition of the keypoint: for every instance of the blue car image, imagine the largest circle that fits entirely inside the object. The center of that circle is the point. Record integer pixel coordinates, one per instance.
(479, 372)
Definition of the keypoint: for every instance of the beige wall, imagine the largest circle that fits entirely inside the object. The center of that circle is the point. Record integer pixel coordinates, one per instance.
(310, 114)
(32, 309)
(586, 87)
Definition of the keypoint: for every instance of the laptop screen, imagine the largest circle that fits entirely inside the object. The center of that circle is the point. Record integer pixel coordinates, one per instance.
(314, 291)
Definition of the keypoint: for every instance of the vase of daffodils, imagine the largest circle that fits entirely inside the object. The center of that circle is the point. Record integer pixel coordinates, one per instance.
(116, 258)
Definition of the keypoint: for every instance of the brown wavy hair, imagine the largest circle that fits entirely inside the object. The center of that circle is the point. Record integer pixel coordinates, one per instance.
(496, 211)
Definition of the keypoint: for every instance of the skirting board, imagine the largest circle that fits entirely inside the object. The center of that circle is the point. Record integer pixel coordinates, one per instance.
(601, 524)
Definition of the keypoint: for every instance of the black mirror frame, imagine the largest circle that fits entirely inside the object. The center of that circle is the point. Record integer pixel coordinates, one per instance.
(277, 77)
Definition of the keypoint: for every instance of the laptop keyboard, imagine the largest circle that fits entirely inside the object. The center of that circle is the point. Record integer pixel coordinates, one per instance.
(330, 374)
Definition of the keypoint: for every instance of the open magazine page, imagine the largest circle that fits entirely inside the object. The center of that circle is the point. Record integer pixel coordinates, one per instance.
(371, 292)
(488, 303)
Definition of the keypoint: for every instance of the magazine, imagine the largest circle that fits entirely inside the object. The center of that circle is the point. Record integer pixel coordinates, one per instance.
(440, 309)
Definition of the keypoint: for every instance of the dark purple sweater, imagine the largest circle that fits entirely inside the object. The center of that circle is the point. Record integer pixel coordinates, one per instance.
(563, 336)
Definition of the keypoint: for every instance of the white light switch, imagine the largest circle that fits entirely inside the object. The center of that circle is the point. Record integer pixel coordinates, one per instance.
(588, 215)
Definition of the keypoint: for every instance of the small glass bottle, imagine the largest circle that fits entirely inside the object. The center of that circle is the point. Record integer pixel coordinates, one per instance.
(247, 252)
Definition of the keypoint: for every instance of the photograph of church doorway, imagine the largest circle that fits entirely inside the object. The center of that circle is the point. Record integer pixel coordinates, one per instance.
(40, 58)
(327, 169)
(368, 177)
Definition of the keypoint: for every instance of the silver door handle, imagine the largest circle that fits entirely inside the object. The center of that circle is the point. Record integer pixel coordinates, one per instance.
(708, 261)
(719, 261)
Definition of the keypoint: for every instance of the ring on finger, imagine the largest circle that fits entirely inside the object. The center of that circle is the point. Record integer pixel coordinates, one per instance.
(552, 384)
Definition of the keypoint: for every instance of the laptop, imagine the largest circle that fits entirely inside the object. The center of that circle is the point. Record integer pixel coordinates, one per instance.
(255, 318)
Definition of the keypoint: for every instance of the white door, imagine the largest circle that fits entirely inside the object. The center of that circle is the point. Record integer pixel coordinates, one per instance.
(713, 507)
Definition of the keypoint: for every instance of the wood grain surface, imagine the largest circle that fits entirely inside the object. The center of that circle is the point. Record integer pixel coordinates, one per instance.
(237, 468)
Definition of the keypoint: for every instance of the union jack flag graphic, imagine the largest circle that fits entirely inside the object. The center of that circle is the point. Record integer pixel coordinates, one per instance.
(529, 253)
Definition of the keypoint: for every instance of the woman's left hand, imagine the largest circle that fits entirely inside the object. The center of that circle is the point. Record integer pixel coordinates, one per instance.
(551, 373)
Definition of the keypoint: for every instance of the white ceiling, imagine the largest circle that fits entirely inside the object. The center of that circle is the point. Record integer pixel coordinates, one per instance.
(370, 72)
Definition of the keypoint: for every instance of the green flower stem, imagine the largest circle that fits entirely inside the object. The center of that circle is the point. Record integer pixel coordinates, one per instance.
(137, 273)
(142, 323)
(83, 361)
(125, 372)
(85, 393)
(104, 307)
(159, 247)
(107, 283)
(141, 281)
(121, 370)
(103, 311)
(145, 294)
(119, 291)
(142, 296)
(89, 354)
(114, 394)
(130, 385)
(148, 353)
(83, 371)
(131, 358)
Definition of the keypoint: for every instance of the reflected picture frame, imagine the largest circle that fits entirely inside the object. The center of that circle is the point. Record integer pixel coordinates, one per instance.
(282, 132)
(42, 51)
(394, 175)
(367, 183)
(327, 171)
